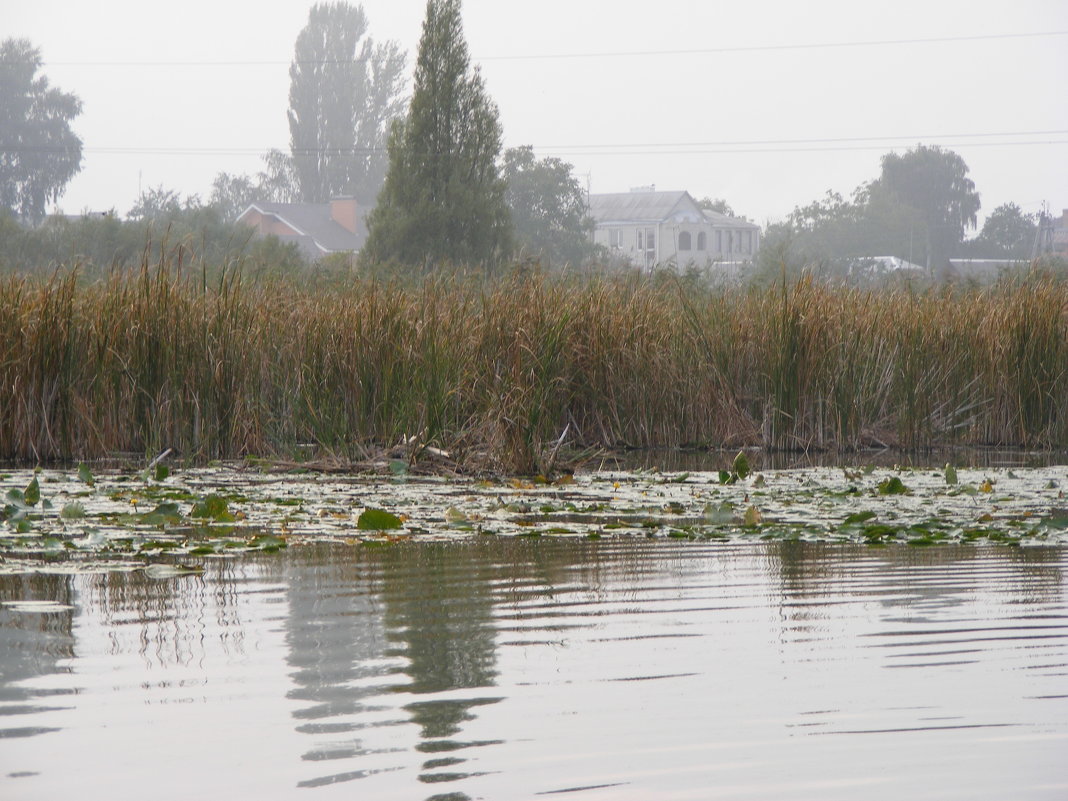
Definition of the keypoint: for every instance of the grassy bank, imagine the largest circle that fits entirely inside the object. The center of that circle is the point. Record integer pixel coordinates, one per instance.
(494, 372)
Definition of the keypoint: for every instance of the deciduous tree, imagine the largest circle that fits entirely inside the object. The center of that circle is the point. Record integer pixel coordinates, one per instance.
(39, 153)
(934, 185)
(548, 207)
(1007, 233)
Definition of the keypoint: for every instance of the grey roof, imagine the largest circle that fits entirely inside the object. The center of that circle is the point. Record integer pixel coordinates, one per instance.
(312, 220)
(649, 207)
(725, 220)
(635, 206)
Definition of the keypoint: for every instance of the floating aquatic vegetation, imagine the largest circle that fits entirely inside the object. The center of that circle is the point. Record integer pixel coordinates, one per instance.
(123, 521)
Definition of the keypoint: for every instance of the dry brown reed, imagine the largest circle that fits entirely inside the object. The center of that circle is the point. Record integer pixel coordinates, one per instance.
(496, 372)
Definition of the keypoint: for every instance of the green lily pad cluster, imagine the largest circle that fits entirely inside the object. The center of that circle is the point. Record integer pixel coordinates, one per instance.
(183, 517)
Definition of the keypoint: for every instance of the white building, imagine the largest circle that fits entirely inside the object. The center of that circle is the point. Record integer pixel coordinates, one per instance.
(652, 228)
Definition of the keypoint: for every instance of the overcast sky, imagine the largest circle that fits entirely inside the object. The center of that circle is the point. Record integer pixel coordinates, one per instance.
(765, 104)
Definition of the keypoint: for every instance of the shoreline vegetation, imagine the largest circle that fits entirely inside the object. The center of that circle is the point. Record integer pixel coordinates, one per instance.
(522, 373)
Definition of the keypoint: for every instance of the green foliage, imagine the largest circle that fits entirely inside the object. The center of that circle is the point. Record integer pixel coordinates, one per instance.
(163, 514)
(443, 199)
(933, 185)
(85, 475)
(39, 153)
(344, 92)
(892, 486)
(168, 229)
(741, 465)
(32, 494)
(377, 520)
(276, 182)
(918, 210)
(1007, 233)
(548, 207)
(213, 507)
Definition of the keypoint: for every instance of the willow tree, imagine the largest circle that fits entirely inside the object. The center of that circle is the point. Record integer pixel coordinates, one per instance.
(344, 92)
(933, 186)
(443, 199)
(39, 153)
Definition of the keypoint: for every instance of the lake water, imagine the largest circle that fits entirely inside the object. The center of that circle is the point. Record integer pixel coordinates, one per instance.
(505, 668)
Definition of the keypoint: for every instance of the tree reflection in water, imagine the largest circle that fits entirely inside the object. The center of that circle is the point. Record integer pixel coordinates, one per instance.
(439, 612)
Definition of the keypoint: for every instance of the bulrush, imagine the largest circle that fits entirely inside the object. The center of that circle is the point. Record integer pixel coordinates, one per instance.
(502, 372)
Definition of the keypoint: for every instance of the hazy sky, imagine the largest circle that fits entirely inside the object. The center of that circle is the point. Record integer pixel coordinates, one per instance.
(766, 104)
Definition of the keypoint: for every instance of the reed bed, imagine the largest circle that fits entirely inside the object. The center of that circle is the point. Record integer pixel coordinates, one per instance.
(501, 373)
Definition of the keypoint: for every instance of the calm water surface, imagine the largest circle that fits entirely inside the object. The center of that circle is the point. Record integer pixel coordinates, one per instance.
(517, 669)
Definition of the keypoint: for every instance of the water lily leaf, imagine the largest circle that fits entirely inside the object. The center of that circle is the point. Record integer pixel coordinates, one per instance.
(454, 515)
(32, 493)
(213, 507)
(162, 515)
(72, 511)
(398, 467)
(719, 515)
(741, 465)
(859, 517)
(377, 520)
(161, 472)
(85, 475)
(753, 517)
(951, 474)
(892, 486)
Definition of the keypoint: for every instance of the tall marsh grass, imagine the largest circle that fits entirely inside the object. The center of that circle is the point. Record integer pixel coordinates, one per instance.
(496, 372)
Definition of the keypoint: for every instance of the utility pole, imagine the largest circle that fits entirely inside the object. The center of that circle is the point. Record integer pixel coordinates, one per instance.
(1043, 234)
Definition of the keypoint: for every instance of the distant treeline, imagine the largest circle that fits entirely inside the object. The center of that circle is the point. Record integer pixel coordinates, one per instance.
(98, 243)
(498, 371)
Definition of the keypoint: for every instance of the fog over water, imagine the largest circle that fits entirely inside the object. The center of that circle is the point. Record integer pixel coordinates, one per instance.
(765, 104)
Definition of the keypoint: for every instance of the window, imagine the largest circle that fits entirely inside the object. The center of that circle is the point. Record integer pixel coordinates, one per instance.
(684, 240)
(650, 239)
(640, 240)
(702, 241)
(615, 238)
(748, 241)
(719, 241)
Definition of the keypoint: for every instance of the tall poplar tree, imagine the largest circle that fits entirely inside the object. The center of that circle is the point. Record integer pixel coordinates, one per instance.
(344, 92)
(444, 197)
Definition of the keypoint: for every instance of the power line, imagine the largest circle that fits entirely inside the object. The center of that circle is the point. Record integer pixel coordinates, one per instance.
(583, 55)
(819, 144)
(767, 48)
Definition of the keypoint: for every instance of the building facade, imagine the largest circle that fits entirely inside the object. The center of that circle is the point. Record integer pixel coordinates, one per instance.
(651, 228)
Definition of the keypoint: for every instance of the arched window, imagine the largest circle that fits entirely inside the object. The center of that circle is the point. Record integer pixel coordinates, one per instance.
(702, 241)
(684, 240)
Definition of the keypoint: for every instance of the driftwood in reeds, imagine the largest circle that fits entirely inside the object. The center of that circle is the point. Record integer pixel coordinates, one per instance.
(494, 373)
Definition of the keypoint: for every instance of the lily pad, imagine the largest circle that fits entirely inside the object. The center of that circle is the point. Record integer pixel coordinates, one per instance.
(32, 493)
(377, 520)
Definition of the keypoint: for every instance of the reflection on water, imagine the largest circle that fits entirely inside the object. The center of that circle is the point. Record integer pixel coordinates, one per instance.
(512, 668)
